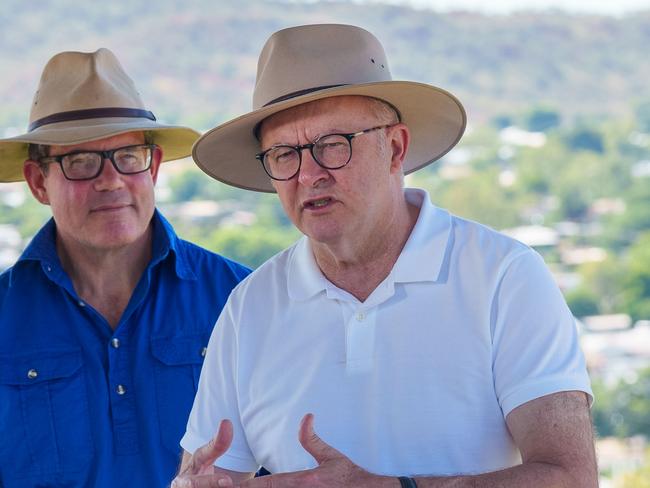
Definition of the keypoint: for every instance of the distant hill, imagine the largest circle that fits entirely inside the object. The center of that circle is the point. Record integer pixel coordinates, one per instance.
(194, 60)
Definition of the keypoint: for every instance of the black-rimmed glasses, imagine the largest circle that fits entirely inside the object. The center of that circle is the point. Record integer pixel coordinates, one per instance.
(86, 165)
(330, 151)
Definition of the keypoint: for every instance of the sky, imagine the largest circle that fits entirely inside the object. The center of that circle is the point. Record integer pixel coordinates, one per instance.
(605, 7)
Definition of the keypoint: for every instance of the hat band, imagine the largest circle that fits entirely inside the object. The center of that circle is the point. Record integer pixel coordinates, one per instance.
(301, 92)
(91, 113)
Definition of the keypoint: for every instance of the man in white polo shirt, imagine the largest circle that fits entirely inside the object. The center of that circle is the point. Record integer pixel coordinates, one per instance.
(425, 350)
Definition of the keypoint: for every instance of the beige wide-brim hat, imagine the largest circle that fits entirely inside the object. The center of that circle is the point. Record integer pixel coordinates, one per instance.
(307, 63)
(83, 97)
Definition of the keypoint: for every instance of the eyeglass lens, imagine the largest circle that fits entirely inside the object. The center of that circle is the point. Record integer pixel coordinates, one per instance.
(332, 152)
(86, 165)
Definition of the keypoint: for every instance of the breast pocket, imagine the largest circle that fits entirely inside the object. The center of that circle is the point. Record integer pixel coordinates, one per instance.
(44, 414)
(177, 370)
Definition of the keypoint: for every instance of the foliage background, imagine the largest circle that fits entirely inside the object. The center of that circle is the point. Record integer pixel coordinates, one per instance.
(581, 81)
(194, 60)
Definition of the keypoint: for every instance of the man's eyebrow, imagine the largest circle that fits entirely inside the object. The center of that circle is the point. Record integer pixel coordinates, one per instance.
(334, 130)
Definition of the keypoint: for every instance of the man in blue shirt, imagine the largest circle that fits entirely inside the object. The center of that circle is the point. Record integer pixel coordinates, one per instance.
(105, 318)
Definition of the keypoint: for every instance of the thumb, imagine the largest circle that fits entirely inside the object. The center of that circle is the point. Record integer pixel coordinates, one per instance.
(207, 454)
(314, 445)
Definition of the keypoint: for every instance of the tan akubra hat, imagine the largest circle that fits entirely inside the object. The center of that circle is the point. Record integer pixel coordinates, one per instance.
(307, 63)
(83, 97)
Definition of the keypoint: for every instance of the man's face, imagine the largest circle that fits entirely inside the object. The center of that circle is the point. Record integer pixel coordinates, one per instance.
(332, 206)
(108, 212)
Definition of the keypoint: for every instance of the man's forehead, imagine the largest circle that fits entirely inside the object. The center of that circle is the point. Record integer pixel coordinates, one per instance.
(135, 137)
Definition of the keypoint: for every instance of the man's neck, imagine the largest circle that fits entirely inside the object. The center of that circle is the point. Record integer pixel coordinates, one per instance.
(106, 279)
(360, 267)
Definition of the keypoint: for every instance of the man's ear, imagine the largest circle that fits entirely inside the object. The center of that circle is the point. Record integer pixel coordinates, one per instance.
(35, 178)
(156, 160)
(399, 139)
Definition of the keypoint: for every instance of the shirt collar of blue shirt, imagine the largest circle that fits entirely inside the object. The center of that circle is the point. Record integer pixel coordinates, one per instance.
(42, 248)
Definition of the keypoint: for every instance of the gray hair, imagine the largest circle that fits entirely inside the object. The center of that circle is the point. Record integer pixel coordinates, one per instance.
(384, 111)
(389, 115)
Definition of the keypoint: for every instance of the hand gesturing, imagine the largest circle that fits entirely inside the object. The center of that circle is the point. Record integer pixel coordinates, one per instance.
(333, 470)
(200, 471)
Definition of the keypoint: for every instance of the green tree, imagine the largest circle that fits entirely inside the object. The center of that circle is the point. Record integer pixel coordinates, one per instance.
(605, 280)
(582, 301)
(501, 121)
(602, 412)
(622, 230)
(642, 112)
(631, 406)
(542, 119)
(624, 409)
(586, 140)
(249, 245)
(636, 285)
(538, 168)
(28, 217)
(478, 197)
(194, 184)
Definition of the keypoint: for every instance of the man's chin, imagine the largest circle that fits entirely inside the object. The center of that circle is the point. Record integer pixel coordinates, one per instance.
(324, 235)
(115, 236)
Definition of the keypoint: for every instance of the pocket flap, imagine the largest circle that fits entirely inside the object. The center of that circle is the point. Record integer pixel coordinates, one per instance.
(36, 367)
(179, 350)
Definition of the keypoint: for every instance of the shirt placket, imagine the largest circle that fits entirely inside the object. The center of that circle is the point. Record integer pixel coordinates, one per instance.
(125, 433)
(360, 339)
(121, 383)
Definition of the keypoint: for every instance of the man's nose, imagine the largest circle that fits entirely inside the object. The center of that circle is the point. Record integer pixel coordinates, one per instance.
(109, 178)
(311, 173)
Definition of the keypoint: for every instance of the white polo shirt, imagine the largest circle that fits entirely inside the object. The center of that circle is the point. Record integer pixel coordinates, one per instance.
(418, 379)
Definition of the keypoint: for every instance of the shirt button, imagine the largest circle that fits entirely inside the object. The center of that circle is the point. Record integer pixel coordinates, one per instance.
(32, 373)
(115, 342)
(49, 268)
(120, 390)
(361, 316)
(204, 352)
(81, 304)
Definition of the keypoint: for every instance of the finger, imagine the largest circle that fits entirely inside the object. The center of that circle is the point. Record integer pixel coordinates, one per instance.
(225, 482)
(281, 480)
(206, 455)
(203, 481)
(314, 445)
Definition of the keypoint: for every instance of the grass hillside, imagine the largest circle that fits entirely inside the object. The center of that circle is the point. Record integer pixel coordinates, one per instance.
(194, 60)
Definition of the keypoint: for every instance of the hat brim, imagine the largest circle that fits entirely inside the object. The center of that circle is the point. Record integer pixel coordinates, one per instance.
(436, 120)
(175, 141)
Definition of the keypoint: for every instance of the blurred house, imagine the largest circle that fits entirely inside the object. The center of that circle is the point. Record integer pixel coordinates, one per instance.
(641, 169)
(536, 236)
(519, 137)
(575, 256)
(606, 206)
(619, 456)
(614, 350)
(224, 212)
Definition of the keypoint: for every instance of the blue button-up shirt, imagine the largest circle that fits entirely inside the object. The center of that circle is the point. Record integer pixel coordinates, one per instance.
(84, 405)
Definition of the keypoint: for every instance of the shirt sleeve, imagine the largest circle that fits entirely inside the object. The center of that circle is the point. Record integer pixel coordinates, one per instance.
(536, 350)
(217, 398)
